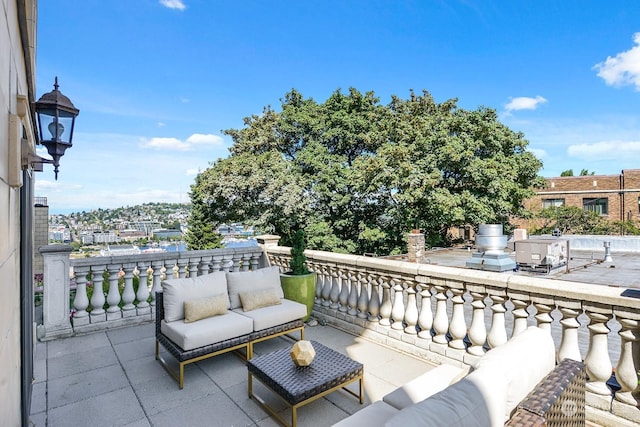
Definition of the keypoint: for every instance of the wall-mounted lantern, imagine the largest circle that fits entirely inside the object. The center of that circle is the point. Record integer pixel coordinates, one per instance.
(58, 115)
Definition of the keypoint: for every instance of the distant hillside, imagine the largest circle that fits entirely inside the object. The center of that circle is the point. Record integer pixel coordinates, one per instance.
(169, 215)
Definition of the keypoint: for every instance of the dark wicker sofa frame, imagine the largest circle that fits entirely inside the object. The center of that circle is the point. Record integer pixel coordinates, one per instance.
(246, 342)
(558, 400)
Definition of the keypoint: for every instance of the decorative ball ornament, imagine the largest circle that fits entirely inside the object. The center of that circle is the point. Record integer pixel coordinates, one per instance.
(302, 353)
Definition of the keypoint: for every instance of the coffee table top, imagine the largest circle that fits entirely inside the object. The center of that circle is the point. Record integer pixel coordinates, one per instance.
(296, 384)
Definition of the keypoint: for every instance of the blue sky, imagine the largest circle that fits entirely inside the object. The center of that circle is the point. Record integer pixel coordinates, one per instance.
(157, 80)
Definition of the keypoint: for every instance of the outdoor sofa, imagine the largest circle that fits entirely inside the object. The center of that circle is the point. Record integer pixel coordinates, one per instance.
(207, 315)
(515, 384)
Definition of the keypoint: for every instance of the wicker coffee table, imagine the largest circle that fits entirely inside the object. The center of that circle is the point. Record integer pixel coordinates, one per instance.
(298, 386)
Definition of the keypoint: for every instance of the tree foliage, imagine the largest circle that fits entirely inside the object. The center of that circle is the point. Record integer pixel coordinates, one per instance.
(201, 232)
(572, 220)
(356, 175)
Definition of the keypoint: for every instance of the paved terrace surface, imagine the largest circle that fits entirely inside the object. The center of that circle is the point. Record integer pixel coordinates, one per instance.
(111, 378)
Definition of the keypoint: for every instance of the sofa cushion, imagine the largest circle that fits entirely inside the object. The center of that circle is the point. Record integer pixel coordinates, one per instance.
(259, 298)
(201, 308)
(207, 331)
(176, 291)
(267, 317)
(524, 360)
(243, 281)
(476, 400)
(374, 414)
(425, 385)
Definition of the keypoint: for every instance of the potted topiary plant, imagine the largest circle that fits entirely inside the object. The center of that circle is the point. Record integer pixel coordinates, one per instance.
(299, 284)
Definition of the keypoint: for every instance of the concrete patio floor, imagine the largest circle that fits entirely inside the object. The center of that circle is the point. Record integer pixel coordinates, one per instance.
(111, 378)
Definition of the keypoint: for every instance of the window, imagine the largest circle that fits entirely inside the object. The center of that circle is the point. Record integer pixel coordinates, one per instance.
(599, 206)
(549, 203)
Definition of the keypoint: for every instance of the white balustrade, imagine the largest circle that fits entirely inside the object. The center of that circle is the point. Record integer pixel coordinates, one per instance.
(425, 317)
(363, 297)
(440, 320)
(397, 309)
(411, 313)
(458, 327)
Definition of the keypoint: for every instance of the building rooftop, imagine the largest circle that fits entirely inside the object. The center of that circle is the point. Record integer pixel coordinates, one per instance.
(584, 266)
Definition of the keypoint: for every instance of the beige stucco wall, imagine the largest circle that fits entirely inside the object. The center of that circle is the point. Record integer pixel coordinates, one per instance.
(13, 82)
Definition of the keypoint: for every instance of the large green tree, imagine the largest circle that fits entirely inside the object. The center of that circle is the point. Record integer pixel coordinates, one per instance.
(356, 175)
(201, 232)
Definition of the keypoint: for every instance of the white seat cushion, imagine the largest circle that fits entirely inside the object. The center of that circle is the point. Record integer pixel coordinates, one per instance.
(176, 291)
(243, 281)
(373, 415)
(207, 331)
(267, 317)
(425, 385)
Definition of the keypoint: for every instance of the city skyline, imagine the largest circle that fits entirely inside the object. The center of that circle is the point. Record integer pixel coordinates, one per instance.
(156, 83)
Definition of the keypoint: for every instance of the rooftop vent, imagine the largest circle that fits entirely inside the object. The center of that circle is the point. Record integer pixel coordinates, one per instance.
(490, 255)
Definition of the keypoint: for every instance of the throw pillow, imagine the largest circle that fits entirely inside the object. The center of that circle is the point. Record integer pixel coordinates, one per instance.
(201, 308)
(259, 298)
(248, 281)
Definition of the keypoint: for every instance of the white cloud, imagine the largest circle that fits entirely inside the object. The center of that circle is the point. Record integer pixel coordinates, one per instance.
(173, 4)
(605, 150)
(204, 139)
(622, 69)
(192, 172)
(538, 152)
(161, 124)
(175, 144)
(165, 144)
(524, 103)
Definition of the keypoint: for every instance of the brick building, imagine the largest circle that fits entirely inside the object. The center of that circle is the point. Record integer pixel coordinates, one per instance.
(616, 197)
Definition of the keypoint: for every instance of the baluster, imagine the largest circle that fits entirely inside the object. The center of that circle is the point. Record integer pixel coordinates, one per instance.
(597, 362)
(343, 298)
(374, 300)
(385, 307)
(143, 289)
(478, 330)
(193, 266)
(457, 327)
(228, 263)
(113, 297)
(440, 321)
(236, 261)
(97, 298)
(629, 361)
(519, 312)
(425, 318)
(157, 280)
(255, 260)
(353, 294)
(246, 258)
(326, 288)
(569, 348)
(397, 310)
(81, 301)
(543, 316)
(182, 267)
(216, 263)
(363, 298)
(204, 266)
(128, 295)
(498, 332)
(335, 289)
(411, 312)
(319, 284)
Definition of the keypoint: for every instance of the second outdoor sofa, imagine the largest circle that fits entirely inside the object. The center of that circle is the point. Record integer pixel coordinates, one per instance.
(207, 315)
